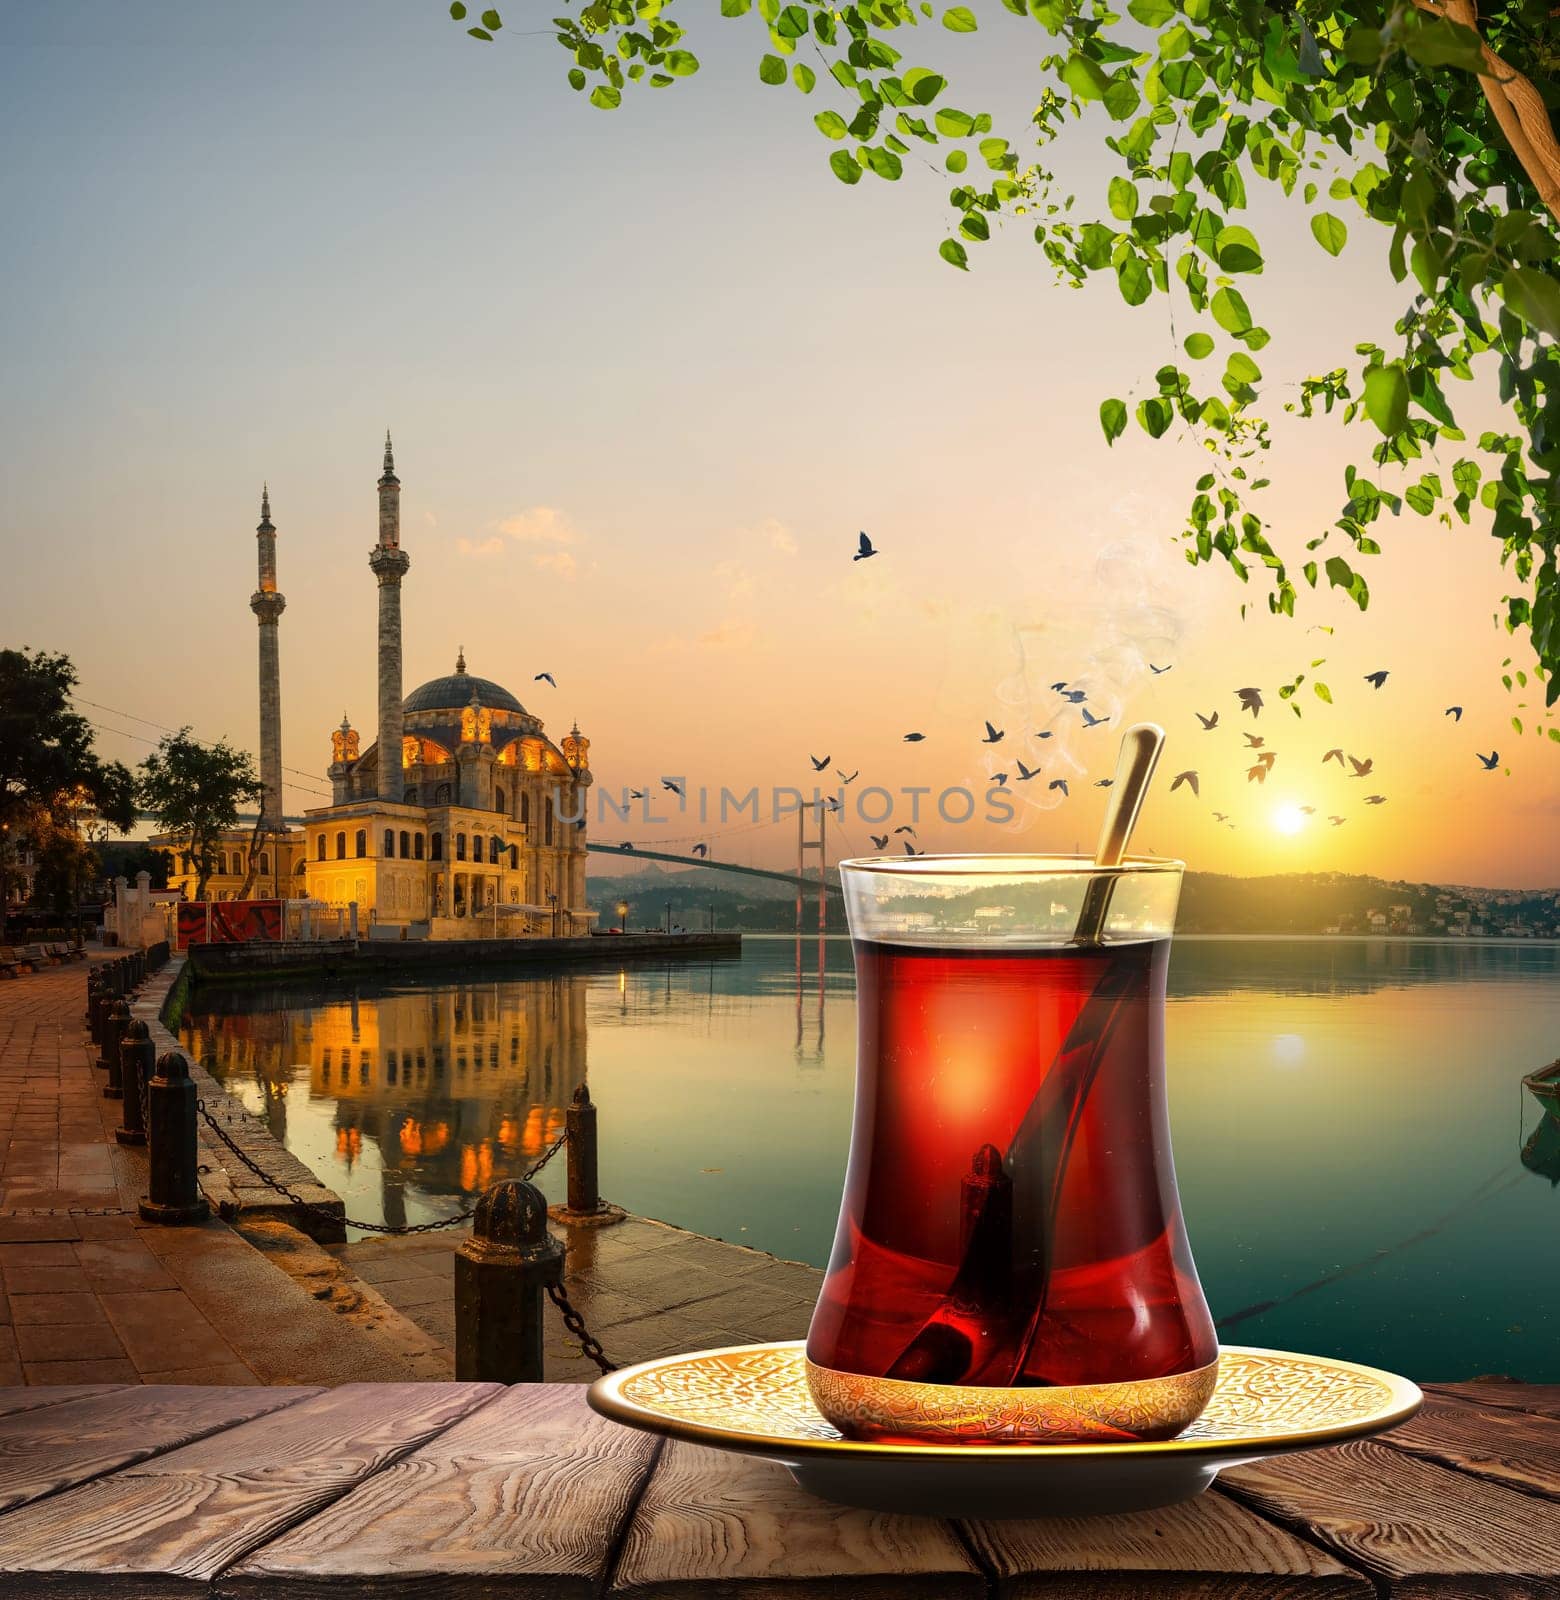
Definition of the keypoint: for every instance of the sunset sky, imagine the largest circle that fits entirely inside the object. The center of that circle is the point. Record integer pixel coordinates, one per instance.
(648, 374)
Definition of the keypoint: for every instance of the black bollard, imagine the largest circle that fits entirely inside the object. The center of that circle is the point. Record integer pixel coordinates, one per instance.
(92, 989)
(175, 1196)
(584, 1182)
(114, 1025)
(136, 1056)
(97, 1004)
(500, 1273)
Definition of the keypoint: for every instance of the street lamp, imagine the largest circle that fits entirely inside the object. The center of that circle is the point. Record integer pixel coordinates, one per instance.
(622, 911)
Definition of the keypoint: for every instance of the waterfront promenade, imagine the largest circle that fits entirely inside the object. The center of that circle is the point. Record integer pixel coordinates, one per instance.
(94, 1295)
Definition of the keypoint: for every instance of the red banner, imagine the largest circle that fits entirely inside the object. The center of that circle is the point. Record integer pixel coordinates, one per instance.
(228, 921)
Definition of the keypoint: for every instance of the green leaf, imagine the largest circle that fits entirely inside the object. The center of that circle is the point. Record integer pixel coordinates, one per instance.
(576, 78)
(957, 160)
(1535, 297)
(1123, 199)
(804, 77)
(491, 19)
(792, 23)
(681, 63)
(458, 11)
(480, 33)
(953, 252)
(830, 124)
(884, 163)
(1132, 276)
(1329, 232)
(1436, 43)
(923, 86)
(605, 98)
(959, 19)
(1386, 398)
(1236, 250)
(846, 168)
(1199, 345)
(954, 123)
(771, 70)
(1085, 78)
(1323, 692)
(1230, 311)
(735, 8)
(1113, 419)
(1154, 417)
(1151, 13)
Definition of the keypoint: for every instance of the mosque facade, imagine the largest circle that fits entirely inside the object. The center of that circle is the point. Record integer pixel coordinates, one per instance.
(478, 830)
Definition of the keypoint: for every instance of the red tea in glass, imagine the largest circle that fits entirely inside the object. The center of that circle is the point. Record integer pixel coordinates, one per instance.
(1010, 1262)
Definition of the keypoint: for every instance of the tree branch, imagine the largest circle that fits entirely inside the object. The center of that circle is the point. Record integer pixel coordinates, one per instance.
(1518, 107)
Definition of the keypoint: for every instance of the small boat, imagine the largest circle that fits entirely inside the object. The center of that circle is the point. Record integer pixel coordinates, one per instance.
(1544, 1086)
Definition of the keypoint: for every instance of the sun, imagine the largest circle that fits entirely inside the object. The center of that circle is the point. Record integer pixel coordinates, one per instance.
(1289, 819)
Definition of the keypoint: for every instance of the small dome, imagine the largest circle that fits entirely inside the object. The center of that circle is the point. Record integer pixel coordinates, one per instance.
(455, 693)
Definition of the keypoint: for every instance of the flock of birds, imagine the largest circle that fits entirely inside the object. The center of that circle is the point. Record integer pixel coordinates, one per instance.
(1250, 700)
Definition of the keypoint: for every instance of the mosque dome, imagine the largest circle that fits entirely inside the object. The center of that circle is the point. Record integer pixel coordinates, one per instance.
(456, 691)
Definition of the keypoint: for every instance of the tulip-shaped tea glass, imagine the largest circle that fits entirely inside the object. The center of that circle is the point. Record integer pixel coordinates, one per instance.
(1011, 1264)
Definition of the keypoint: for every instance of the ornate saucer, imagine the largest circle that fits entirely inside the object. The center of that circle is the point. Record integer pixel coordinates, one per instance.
(754, 1399)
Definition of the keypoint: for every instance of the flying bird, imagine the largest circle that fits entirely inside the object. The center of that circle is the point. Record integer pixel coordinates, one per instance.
(1333, 755)
(1209, 723)
(1258, 772)
(701, 850)
(1092, 722)
(850, 777)
(831, 805)
(879, 840)
(999, 780)
(1267, 758)
(1221, 816)
(1337, 822)
(1074, 696)
(545, 677)
(1490, 760)
(904, 827)
(666, 783)
(636, 794)
(627, 844)
(1045, 733)
(1060, 783)
(1060, 686)
(1375, 799)
(818, 765)
(1158, 670)
(1190, 780)
(1309, 811)
(994, 735)
(1376, 679)
(914, 738)
(1026, 773)
(1250, 700)
(909, 848)
(1361, 768)
(1253, 741)
(1453, 711)
(864, 549)
(1103, 783)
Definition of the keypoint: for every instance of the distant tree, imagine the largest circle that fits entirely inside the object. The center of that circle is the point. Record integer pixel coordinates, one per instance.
(193, 792)
(124, 859)
(51, 779)
(1430, 119)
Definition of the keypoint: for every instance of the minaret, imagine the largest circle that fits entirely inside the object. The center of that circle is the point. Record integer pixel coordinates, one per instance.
(389, 562)
(268, 604)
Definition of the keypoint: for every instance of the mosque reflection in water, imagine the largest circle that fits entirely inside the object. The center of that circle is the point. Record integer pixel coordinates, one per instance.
(431, 1094)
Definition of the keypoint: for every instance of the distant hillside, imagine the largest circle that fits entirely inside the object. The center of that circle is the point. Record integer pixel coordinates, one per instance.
(1295, 902)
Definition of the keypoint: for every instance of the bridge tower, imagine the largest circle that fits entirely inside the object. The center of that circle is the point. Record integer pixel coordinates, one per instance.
(803, 846)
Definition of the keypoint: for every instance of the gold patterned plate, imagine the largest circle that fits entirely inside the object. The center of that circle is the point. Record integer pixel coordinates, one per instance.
(754, 1399)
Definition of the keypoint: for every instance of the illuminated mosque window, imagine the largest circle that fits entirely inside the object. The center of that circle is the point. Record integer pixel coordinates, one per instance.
(460, 847)
(362, 841)
(441, 795)
(514, 862)
(417, 846)
(498, 799)
(319, 848)
(390, 1072)
(341, 847)
(265, 861)
(389, 844)
(410, 797)
(406, 844)
(436, 846)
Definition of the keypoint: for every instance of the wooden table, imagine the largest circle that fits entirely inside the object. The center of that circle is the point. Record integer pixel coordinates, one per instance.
(455, 1490)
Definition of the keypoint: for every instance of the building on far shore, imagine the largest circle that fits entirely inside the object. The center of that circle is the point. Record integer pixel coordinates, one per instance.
(478, 831)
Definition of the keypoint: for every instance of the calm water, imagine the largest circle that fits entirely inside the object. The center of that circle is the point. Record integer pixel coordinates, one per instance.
(1362, 1173)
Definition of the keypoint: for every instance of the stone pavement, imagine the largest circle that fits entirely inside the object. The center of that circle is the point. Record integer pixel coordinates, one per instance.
(93, 1295)
(644, 1288)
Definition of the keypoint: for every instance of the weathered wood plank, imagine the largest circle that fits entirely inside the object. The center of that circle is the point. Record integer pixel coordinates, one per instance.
(715, 1524)
(1543, 1399)
(525, 1497)
(1515, 1448)
(164, 1527)
(42, 1452)
(1426, 1530)
(16, 1399)
(1210, 1548)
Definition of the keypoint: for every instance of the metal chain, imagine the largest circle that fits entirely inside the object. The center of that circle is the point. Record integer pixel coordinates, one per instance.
(315, 1208)
(575, 1323)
